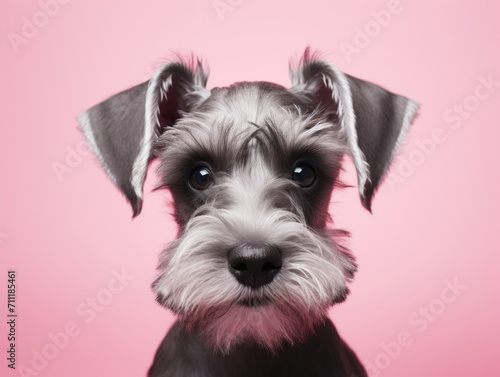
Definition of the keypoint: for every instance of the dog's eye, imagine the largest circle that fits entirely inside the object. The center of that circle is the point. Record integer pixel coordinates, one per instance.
(201, 178)
(304, 175)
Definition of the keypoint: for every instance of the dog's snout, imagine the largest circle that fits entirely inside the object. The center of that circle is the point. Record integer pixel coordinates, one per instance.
(254, 265)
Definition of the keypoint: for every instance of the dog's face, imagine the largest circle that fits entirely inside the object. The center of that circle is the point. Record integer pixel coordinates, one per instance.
(251, 173)
(251, 169)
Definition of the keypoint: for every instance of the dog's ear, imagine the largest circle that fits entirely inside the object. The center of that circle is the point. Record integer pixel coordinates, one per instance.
(373, 119)
(121, 130)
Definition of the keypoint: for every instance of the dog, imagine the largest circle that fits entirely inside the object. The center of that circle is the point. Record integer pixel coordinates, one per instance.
(251, 169)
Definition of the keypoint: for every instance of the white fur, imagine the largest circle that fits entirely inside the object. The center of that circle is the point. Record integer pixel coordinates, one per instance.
(342, 94)
(86, 127)
(156, 92)
(410, 113)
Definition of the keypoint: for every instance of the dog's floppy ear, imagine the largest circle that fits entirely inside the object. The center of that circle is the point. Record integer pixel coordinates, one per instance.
(373, 119)
(121, 130)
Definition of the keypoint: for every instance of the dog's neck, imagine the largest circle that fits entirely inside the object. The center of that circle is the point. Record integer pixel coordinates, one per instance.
(322, 354)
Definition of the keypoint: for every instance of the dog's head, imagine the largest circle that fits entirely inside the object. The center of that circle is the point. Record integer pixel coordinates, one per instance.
(251, 169)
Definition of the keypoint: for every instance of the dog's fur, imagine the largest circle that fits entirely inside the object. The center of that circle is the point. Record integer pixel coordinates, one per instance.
(249, 139)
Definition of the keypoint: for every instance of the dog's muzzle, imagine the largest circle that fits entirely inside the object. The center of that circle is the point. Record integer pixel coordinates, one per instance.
(254, 265)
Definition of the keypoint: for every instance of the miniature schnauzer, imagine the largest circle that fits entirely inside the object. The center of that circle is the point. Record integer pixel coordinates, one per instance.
(251, 168)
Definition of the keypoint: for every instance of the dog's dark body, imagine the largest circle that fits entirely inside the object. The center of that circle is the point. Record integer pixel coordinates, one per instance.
(251, 169)
(324, 354)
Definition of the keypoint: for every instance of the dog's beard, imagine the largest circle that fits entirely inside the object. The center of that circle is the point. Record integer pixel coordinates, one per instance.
(269, 326)
(196, 284)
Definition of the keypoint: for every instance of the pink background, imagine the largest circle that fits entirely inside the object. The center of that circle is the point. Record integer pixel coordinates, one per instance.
(435, 220)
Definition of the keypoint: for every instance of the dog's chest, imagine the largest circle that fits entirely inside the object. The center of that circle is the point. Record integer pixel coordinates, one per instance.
(323, 355)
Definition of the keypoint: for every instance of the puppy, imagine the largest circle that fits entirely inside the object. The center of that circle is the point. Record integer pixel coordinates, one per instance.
(251, 168)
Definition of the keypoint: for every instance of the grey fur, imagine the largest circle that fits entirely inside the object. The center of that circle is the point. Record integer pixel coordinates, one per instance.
(250, 137)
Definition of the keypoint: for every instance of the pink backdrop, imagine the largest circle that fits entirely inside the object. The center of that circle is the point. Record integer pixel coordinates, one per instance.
(425, 301)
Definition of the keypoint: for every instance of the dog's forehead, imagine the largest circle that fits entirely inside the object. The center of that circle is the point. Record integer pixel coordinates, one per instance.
(251, 102)
(237, 112)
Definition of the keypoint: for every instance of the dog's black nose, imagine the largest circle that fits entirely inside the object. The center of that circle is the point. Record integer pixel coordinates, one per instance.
(254, 265)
